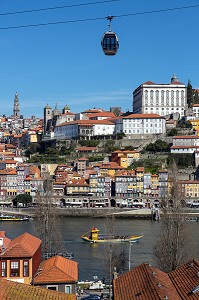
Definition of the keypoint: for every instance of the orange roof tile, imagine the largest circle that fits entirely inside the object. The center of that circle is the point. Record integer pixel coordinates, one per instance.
(57, 269)
(24, 245)
(87, 122)
(144, 282)
(143, 116)
(185, 279)
(10, 290)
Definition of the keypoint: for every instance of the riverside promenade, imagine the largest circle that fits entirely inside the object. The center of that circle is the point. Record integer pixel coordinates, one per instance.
(142, 213)
(85, 212)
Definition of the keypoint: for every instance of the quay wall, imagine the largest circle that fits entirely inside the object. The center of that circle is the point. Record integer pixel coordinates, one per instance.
(93, 212)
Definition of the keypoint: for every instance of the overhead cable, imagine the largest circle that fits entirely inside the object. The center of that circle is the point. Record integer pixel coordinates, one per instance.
(99, 18)
(56, 7)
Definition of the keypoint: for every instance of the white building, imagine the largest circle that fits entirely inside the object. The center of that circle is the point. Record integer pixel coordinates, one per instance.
(140, 124)
(84, 129)
(162, 99)
(185, 144)
(195, 108)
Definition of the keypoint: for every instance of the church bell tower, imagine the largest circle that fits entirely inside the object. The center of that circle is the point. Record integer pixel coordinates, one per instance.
(16, 109)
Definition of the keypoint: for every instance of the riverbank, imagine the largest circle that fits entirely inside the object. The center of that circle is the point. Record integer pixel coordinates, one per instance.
(132, 213)
(142, 213)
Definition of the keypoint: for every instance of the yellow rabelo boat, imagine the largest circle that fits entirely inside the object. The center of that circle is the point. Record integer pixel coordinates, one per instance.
(93, 236)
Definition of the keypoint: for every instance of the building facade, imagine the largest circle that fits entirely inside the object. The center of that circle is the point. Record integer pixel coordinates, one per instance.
(162, 99)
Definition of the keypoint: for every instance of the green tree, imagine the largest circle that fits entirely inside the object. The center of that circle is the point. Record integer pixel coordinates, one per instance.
(172, 132)
(22, 198)
(196, 97)
(158, 146)
(189, 94)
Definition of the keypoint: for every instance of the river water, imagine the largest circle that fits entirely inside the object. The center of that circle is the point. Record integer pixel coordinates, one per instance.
(92, 258)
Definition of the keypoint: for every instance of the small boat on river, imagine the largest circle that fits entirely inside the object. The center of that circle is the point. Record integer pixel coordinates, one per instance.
(93, 236)
(13, 218)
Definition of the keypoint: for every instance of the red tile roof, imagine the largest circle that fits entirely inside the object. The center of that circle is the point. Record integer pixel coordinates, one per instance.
(185, 279)
(57, 269)
(145, 283)
(186, 137)
(143, 116)
(24, 245)
(10, 290)
(87, 123)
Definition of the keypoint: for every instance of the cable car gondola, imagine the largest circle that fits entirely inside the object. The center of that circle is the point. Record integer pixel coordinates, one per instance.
(109, 42)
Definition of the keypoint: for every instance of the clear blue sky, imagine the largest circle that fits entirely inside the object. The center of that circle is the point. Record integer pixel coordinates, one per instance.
(64, 63)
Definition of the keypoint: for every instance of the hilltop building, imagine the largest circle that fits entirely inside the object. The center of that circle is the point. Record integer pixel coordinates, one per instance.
(163, 99)
(55, 117)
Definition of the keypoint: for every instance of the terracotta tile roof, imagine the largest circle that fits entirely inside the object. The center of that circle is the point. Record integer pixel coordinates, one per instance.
(9, 161)
(107, 114)
(144, 282)
(86, 122)
(149, 82)
(185, 279)
(57, 269)
(10, 290)
(143, 116)
(186, 137)
(140, 169)
(77, 182)
(86, 148)
(184, 147)
(24, 245)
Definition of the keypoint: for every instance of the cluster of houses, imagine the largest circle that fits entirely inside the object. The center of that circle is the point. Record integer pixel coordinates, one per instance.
(85, 184)
(24, 275)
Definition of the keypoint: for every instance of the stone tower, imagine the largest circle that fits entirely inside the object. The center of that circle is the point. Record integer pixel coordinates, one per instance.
(16, 109)
(47, 116)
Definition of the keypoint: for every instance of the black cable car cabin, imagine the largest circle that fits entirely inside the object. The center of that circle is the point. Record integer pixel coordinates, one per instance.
(110, 43)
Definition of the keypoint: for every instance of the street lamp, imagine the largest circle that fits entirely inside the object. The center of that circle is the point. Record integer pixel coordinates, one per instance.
(130, 243)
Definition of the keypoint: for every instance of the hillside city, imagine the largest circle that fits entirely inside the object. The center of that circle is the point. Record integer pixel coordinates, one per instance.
(96, 155)
(99, 159)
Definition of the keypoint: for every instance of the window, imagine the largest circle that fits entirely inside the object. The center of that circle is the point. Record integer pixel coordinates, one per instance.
(52, 287)
(14, 268)
(25, 268)
(68, 289)
(3, 269)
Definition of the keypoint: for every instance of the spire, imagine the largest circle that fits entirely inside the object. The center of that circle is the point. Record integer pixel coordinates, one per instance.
(16, 109)
(174, 78)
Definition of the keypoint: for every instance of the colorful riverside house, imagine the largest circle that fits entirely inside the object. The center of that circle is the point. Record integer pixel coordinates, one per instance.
(163, 183)
(147, 184)
(20, 258)
(78, 187)
(93, 183)
(109, 168)
(139, 172)
(189, 190)
(125, 185)
(154, 186)
(8, 183)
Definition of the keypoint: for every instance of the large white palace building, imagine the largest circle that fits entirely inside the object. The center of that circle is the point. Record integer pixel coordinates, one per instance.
(162, 99)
